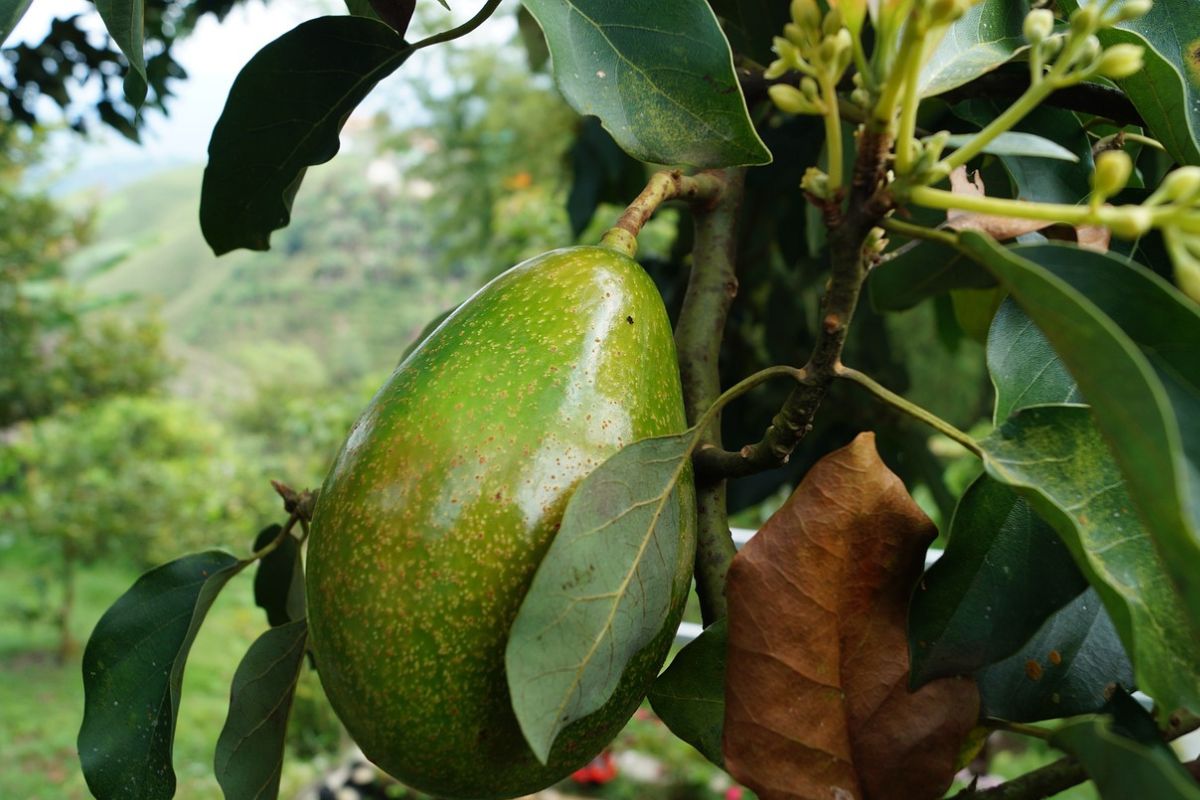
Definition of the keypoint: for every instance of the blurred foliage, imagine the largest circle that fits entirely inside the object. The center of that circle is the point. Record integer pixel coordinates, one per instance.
(84, 79)
(146, 477)
(490, 159)
(55, 347)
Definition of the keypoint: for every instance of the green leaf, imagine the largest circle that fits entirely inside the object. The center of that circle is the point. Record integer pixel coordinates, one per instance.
(1055, 457)
(132, 674)
(396, 14)
(1130, 341)
(928, 269)
(125, 20)
(249, 757)
(1004, 572)
(604, 590)
(11, 12)
(1166, 92)
(279, 580)
(690, 694)
(1024, 367)
(1035, 178)
(659, 76)
(1016, 143)
(601, 172)
(283, 115)
(1122, 767)
(536, 49)
(1068, 668)
(751, 25)
(988, 35)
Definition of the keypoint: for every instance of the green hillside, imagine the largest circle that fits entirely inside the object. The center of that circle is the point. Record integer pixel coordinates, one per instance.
(345, 288)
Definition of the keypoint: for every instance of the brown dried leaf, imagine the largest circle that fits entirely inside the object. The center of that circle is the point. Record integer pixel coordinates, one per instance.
(817, 700)
(1092, 237)
(997, 227)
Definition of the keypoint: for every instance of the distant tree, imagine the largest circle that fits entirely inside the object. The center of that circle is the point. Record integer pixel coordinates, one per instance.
(85, 80)
(55, 347)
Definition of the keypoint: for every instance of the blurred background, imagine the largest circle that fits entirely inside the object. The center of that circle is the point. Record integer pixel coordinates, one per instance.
(149, 391)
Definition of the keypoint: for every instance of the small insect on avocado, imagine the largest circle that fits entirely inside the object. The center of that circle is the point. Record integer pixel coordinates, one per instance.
(446, 495)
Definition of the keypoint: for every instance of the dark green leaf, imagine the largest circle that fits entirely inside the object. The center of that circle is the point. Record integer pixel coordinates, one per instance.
(396, 13)
(11, 12)
(125, 20)
(1003, 573)
(659, 76)
(1068, 668)
(604, 590)
(133, 671)
(1166, 92)
(531, 36)
(1130, 341)
(283, 115)
(1024, 367)
(751, 25)
(926, 270)
(690, 695)
(1056, 458)
(1123, 767)
(249, 757)
(1037, 178)
(279, 581)
(988, 35)
(601, 173)
(1016, 143)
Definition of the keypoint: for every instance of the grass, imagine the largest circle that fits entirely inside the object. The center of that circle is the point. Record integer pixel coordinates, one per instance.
(41, 701)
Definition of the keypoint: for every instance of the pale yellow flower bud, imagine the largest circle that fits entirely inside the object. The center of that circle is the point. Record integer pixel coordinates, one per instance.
(1039, 24)
(1121, 61)
(1113, 169)
(789, 99)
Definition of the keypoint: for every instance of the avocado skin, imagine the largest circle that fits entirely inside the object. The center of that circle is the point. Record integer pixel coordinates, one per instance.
(446, 495)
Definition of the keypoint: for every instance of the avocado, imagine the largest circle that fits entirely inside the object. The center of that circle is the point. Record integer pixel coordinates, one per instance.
(448, 492)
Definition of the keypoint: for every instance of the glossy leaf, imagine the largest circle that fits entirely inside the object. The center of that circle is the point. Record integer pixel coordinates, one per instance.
(603, 591)
(1123, 767)
(689, 696)
(1068, 668)
(126, 21)
(279, 580)
(133, 673)
(1016, 143)
(11, 12)
(601, 173)
(1055, 457)
(928, 269)
(249, 756)
(1166, 91)
(816, 699)
(1025, 369)
(659, 76)
(1004, 572)
(988, 35)
(283, 115)
(1130, 340)
(1037, 178)
(536, 49)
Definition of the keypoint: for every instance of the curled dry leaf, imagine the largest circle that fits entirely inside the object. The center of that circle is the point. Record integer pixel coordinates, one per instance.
(1093, 237)
(816, 686)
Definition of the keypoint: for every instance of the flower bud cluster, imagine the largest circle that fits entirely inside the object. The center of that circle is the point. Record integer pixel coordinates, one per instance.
(817, 46)
(1076, 54)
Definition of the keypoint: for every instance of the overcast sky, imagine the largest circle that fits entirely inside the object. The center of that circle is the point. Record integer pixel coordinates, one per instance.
(212, 56)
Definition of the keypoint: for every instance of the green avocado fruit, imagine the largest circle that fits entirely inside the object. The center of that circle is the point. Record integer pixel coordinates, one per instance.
(447, 494)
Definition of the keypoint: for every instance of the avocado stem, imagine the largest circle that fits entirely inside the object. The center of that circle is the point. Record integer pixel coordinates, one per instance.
(702, 190)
